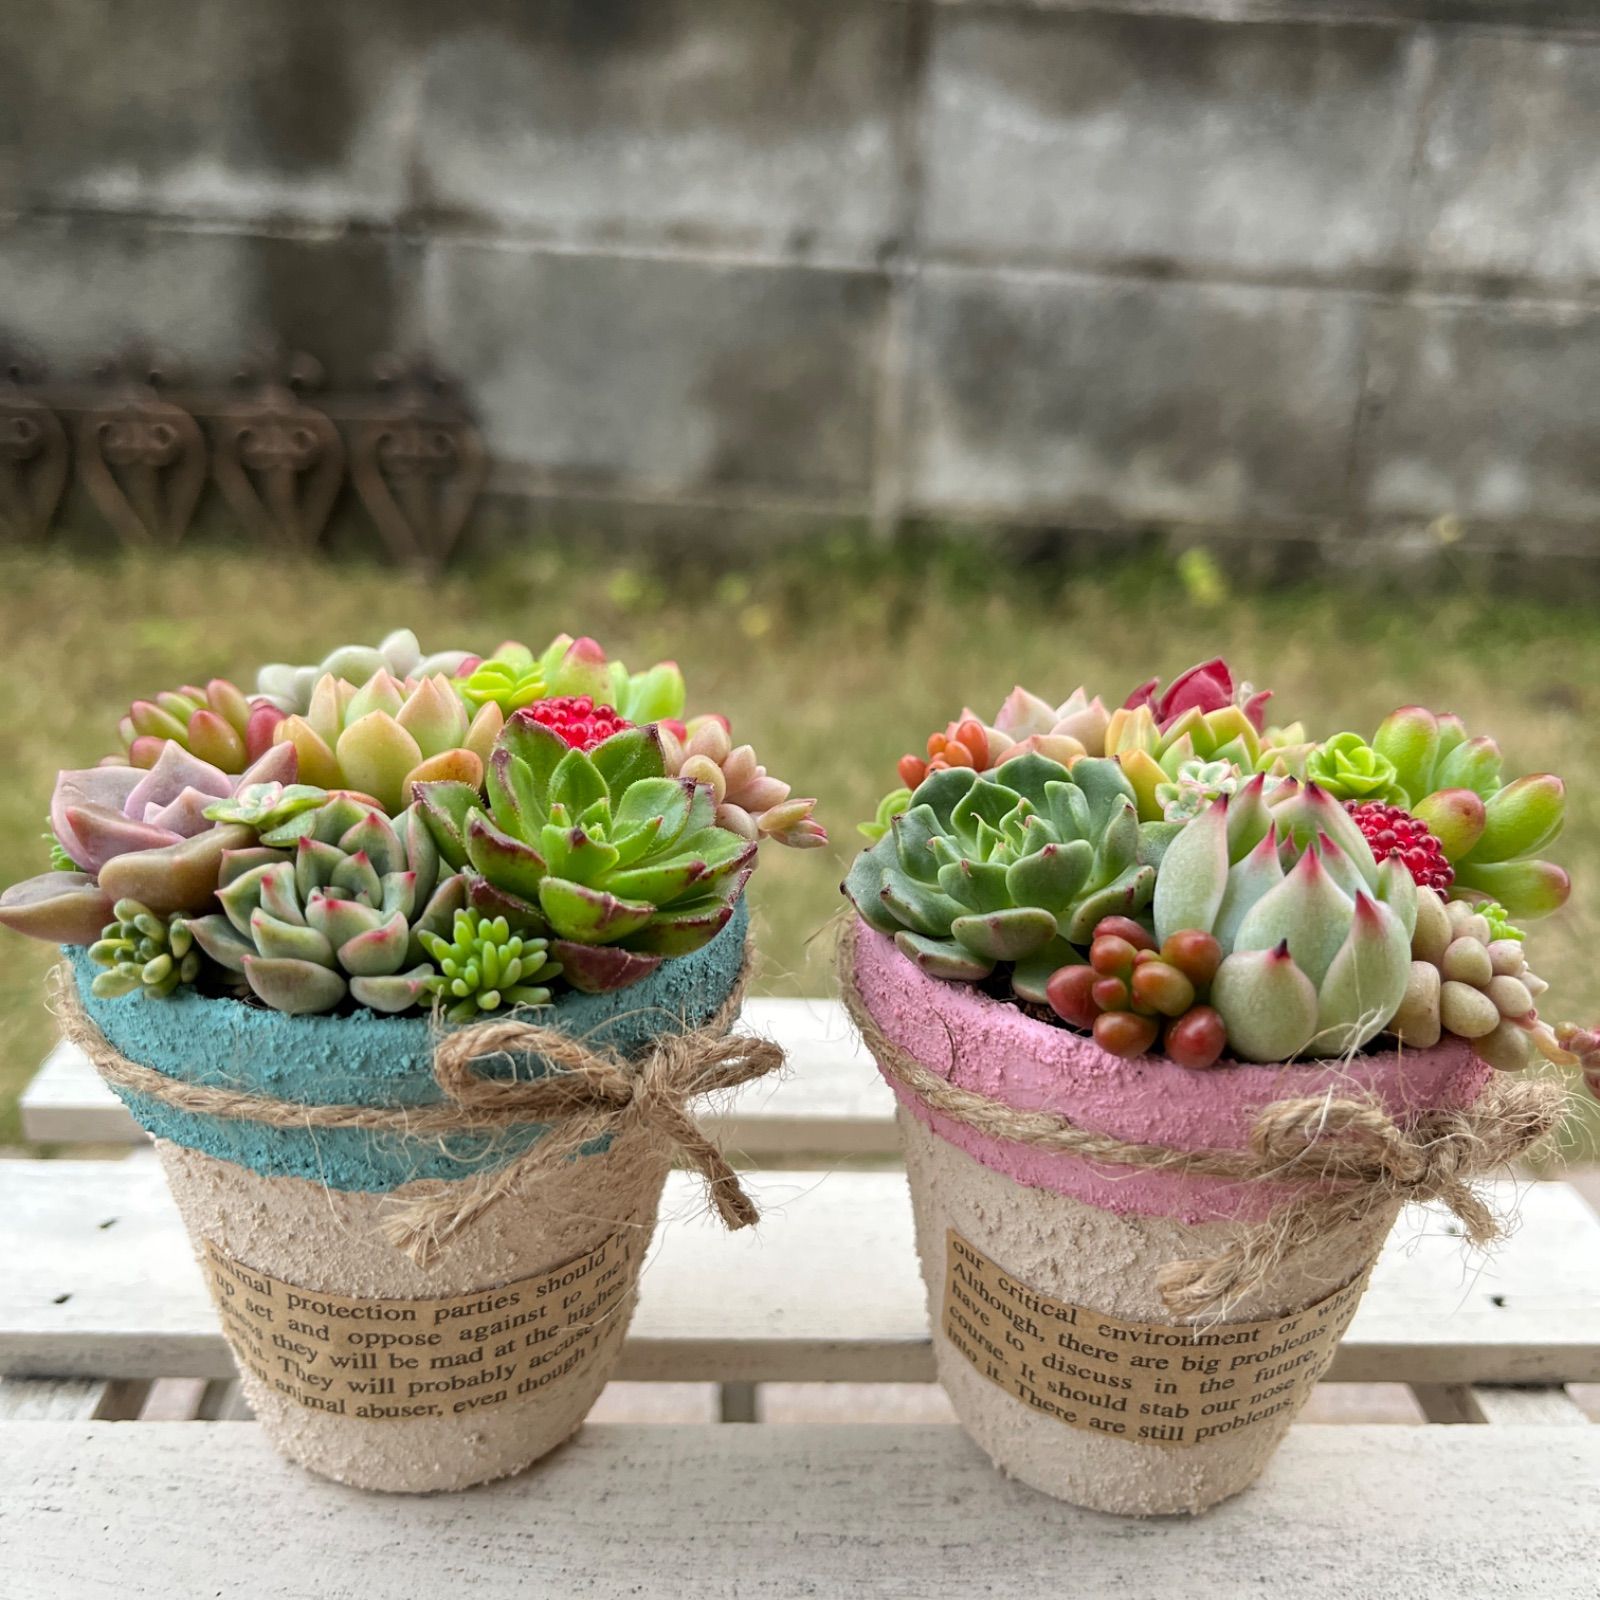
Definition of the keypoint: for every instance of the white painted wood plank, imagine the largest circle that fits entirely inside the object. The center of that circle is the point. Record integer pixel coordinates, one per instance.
(51, 1399)
(830, 1100)
(100, 1283)
(760, 1513)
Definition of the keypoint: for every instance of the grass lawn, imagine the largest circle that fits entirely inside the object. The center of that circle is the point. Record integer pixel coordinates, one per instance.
(833, 659)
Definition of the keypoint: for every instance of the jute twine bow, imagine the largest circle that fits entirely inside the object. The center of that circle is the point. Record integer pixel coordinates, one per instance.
(1350, 1156)
(593, 1093)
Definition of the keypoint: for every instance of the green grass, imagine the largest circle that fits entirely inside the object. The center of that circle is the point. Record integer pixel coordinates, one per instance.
(833, 658)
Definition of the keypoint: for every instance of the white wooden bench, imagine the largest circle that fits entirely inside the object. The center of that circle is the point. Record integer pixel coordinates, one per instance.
(103, 1319)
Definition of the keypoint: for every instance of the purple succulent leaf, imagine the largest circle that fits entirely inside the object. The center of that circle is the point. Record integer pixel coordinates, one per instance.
(601, 968)
(279, 763)
(179, 877)
(61, 907)
(176, 770)
(100, 835)
(185, 815)
(106, 788)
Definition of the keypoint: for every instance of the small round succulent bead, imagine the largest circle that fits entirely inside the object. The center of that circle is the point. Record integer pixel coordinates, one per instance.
(1392, 831)
(484, 967)
(143, 951)
(575, 718)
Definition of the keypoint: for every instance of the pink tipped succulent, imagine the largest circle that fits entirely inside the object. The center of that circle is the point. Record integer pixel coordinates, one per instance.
(1025, 724)
(576, 719)
(217, 723)
(1204, 688)
(750, 802)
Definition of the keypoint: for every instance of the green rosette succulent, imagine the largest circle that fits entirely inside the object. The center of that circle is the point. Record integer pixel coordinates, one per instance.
(1152, 756)
(620, 865)
(484, 967)
(1348, 768)
(1315, 935)
(1014, 865)
(514, 677)
(333, 902)
(143, 952)
(1491, 831)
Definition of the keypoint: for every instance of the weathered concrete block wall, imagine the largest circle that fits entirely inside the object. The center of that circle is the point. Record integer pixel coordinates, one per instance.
(1323, 268)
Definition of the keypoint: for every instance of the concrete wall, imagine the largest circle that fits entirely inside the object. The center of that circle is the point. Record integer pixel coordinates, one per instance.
(1314, 268)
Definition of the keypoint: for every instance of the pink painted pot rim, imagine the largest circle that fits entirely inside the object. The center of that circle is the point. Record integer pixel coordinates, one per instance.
(995, 1049)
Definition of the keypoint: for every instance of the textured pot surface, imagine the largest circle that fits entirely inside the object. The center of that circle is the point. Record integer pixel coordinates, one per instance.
(370, 1060)
(997, 1050)
(1096, 1236)
(321, 1239)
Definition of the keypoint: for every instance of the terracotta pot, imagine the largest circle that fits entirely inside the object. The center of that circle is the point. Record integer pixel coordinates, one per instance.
(1072, 1234)
(359, 1363)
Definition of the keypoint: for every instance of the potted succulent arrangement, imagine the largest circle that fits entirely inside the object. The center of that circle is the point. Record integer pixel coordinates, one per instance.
(413, 966)
(1180, 1008)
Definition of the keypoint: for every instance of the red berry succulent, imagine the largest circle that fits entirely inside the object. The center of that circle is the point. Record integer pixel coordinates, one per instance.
(574, 718)
(1133, 996)
(1392, 831)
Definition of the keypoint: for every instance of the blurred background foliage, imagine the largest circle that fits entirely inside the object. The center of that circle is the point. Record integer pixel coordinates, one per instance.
(833, 657)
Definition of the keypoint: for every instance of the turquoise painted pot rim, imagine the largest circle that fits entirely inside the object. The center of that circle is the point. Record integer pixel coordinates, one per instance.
(368, 1059)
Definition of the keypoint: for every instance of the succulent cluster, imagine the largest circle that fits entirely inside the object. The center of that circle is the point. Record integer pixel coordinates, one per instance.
(386, 829)
(1182, 877)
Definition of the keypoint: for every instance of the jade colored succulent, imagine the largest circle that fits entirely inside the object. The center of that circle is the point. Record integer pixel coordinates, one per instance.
(137, 835)
(384, 737)
(1348, 768)
(1316, 936)
(1025, 724)
(890, 807)
(1491, 831)
(750, 802)
(484, 967)
(217, 723)
(1196, 785)
(1467, 982)
(290, 688)
(334, 902)
(1015, 865)
(143, 952)
(618, 863)
(514, 677)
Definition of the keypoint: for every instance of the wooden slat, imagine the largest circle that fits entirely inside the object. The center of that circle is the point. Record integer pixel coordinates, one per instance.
(100, 1283)
(70, 1399)
(1546, 1405)
(759, 1513)
(831, 1100)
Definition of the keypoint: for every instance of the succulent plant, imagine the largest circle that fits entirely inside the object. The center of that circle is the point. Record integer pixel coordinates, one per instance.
(137, 835)
(1025, 724)
(1013, 865)
(1348, 768)
(750, 802)
(1315, 933)
(1489, 830)
(1465, 981)
(217, 723)
(153, 955)
(484, 967)
(513, 677)
(1206, 688)
(1152, 755)
(889, 807)
(387, 735)
(1196, 785)
(576, 718)
(619, 863)
(1132, 995)
(1393, 831)
(290, 688)
(334, 901)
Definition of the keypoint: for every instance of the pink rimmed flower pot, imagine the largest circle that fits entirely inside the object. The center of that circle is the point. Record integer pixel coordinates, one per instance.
(1050, 1334)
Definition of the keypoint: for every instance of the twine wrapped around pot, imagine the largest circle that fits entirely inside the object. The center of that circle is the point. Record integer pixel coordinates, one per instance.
(594, 1092)
(1352, 1157)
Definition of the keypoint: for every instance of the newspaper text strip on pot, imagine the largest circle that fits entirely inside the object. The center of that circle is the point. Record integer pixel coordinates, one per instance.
(1160, 1383)
(387, 1360)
